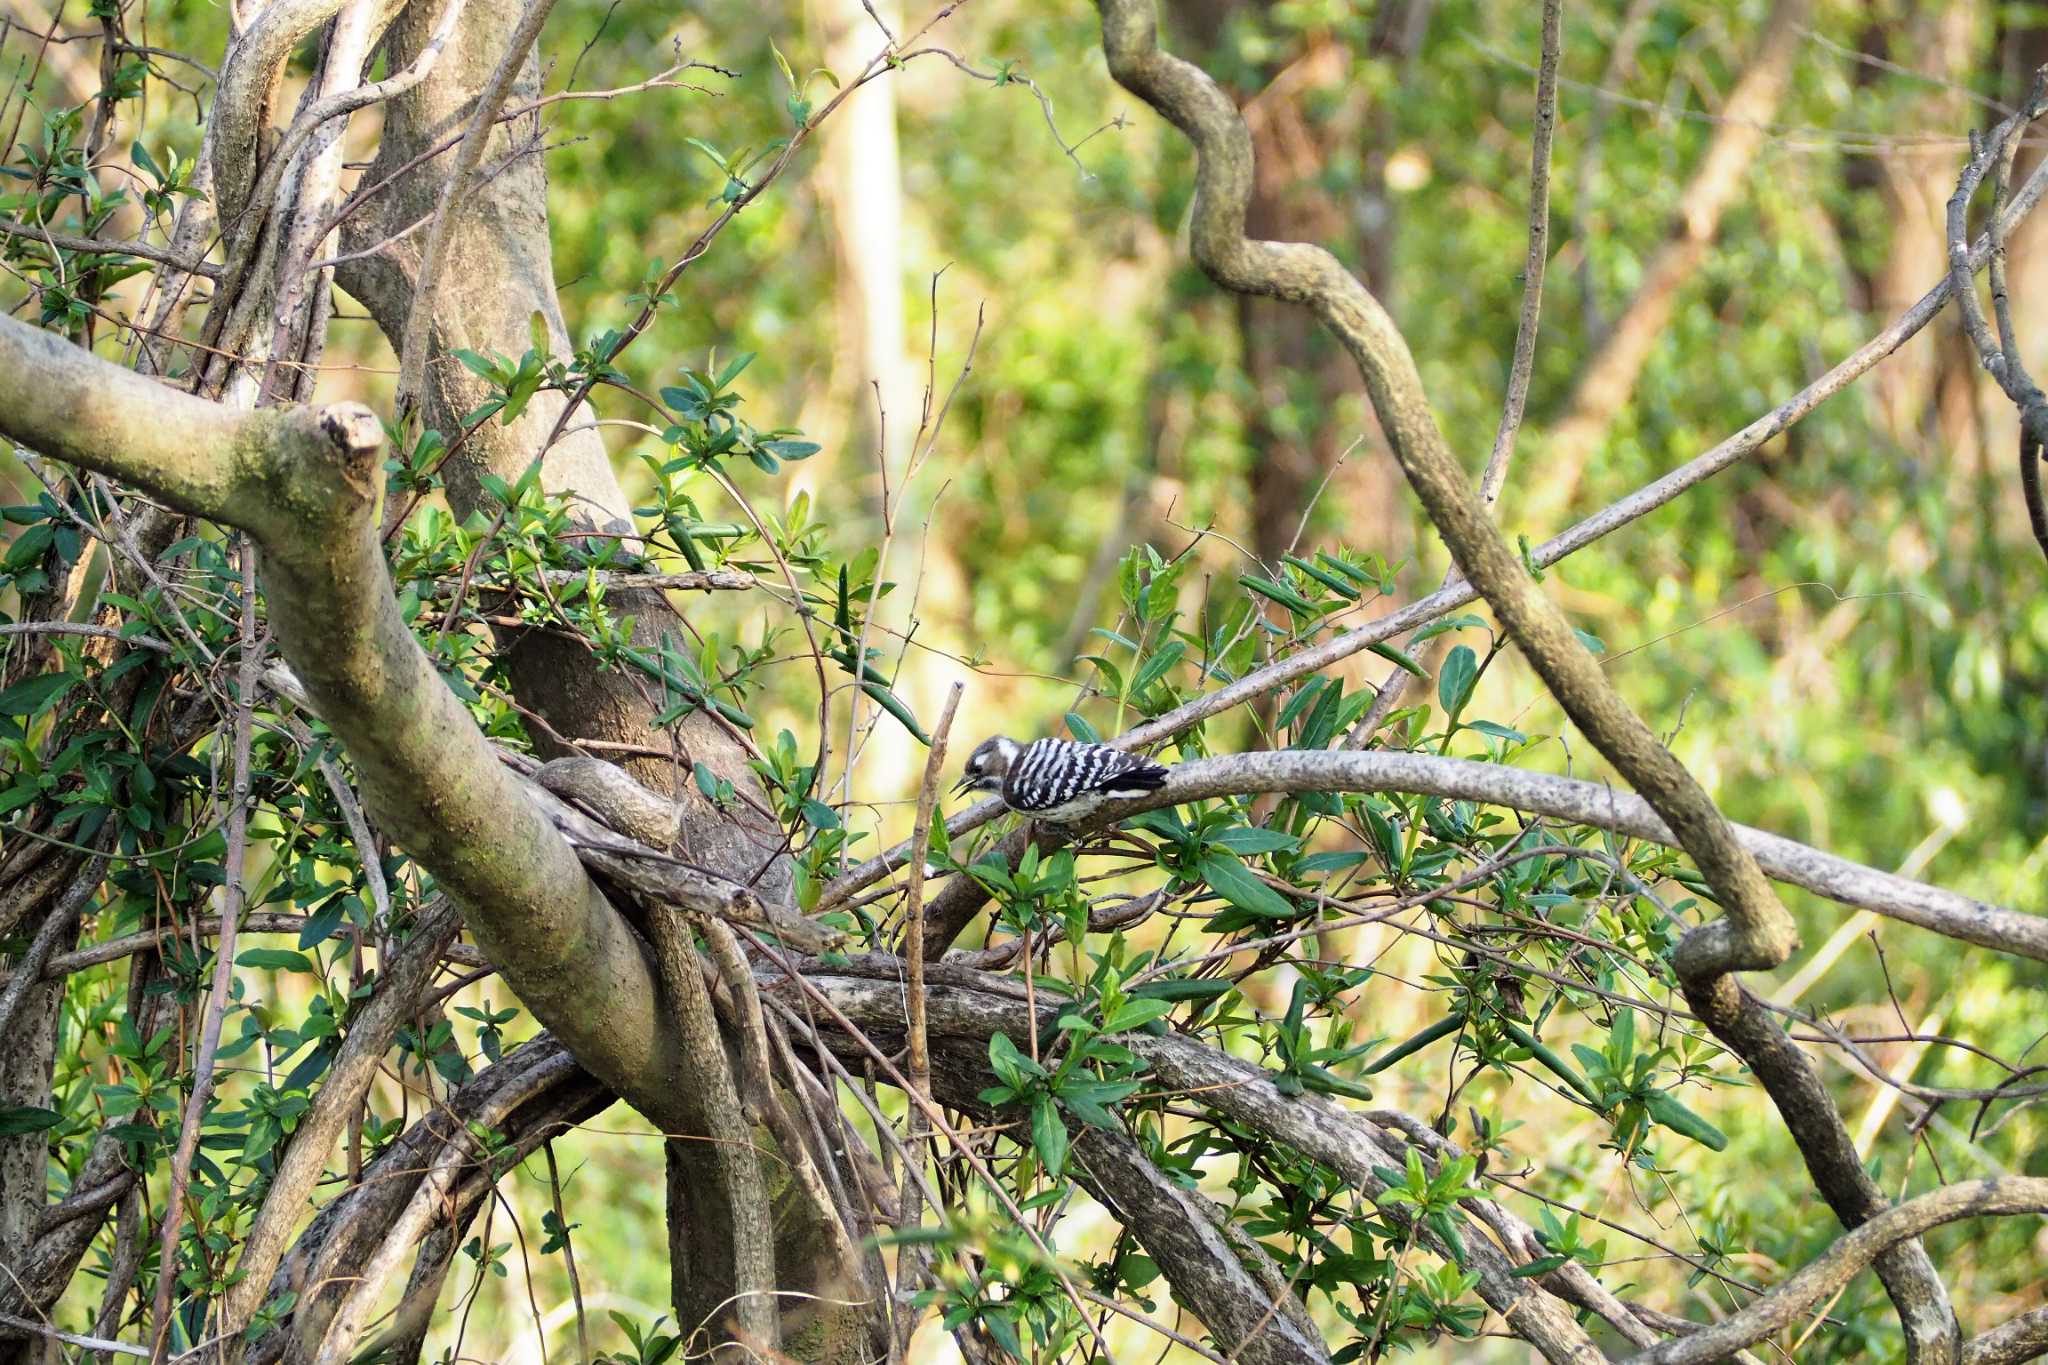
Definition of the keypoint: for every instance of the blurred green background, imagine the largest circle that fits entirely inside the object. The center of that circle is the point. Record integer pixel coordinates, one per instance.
(1846, 637)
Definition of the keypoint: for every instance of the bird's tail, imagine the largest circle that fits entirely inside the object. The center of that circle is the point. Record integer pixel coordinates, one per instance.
(1149, 778)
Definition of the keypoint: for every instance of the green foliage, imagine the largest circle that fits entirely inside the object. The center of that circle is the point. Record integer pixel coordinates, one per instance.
(1880, 670)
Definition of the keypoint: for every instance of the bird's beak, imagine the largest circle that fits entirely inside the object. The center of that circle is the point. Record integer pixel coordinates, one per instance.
(962, 785)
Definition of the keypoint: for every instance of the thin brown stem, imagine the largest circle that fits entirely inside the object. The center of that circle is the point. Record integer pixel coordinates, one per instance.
(233, 896)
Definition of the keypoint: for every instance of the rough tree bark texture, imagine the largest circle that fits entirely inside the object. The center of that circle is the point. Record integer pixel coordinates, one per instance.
(1754, 931)
(498, 274)
(304, 482)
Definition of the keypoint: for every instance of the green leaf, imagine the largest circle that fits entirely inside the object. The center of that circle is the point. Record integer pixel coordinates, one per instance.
(1281, 593)
(1454, 685)
(31, 697)
(1089, 1101)
(1328, 580)
(1400, 659)
(731, 713)
(1445, 627)
(1303, 698)
(1136, 1014)
(321, 924)
(1542, 1265)
(1669, 1111)
(1005, 1333)
(18, 1119)
(1230, 879)
(1110, 671)
(894, 706)
(1157, 666)
(274, 960)
(1559, 1067)
(717, 157)
(1049, 1135)
(1328, 1082)
(1442, 1028)
(482, 366)
(1246, 840)
(920, 1236)
(29, 548)
(1184, 988)
(1012, 1066)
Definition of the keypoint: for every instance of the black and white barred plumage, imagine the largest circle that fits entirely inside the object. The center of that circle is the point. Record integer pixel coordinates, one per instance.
(1058, 780)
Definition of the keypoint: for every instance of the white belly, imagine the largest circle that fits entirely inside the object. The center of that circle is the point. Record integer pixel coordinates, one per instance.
(1081, 807)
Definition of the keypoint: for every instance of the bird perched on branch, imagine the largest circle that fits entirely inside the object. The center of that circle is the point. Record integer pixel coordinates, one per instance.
(1058, 780)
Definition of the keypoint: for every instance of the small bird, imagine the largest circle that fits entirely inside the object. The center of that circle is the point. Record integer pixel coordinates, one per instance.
(1057, 780)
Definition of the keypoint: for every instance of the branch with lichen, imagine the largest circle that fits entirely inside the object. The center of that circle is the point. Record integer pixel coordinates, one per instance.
(1755, 932)
(304, 482)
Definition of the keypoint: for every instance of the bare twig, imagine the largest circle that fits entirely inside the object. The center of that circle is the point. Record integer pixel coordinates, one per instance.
(1635, 506)
(1754, 932)
(255, 922)
(920, 842)
(233, 897)
(920, 1042)
(412, 350)
(1610, 376)
(1490, 483)
(144, 251)
(85, 628)
(49, 1333)
(2000, 355)
(1818, 1279)
(60, 923)
(568, 1252)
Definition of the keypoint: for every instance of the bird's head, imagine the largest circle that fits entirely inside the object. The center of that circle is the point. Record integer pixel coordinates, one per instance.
(988, 765)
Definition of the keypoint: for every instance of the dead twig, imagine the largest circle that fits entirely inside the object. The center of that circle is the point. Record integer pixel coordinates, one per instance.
(233, 896)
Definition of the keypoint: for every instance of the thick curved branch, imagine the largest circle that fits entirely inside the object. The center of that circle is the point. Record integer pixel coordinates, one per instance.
(968, 1005)
(1754, 932)
(1637, 505)
(141, 250)
(412, 349)
(241, 104)
(400, 978)
(1791, 1301)
(528, 1097)
(1254, 1322)
(2022, 1338)
(304, 482)
(495, 274)
(196, 455)
(1562, 798)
